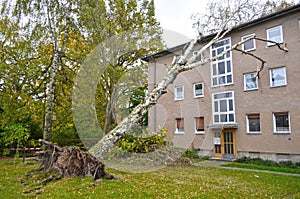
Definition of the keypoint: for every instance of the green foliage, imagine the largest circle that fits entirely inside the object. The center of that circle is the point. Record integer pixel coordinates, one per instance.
(147, 144)
(16, 135)
(27, 50)
(191, 153)
(270, 163)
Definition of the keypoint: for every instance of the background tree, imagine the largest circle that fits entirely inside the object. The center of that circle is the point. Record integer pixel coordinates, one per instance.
(43, 44)
(44, 28)
(117, 16)
(233, 12)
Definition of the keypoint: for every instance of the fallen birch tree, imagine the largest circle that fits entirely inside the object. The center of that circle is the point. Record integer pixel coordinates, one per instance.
(185, 63)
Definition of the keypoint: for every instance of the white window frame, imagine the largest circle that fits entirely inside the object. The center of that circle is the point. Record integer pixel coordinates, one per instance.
(194, 89)
(218, 113)
(247, 123)
(177, 131)
(176, 97)
(218, 79)
(275, 127)
(268, 35)
(271, 77)
(195, 126)
(252, 40)
(245, 81)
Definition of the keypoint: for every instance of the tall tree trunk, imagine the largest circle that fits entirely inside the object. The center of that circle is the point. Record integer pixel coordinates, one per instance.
(50, 91)
(51, 86)
(108, 118)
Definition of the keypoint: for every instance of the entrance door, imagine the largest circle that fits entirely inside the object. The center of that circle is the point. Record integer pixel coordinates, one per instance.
(224, 144)
(217, 145)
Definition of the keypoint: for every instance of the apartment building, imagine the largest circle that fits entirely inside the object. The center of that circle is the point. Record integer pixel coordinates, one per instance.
(224, 108)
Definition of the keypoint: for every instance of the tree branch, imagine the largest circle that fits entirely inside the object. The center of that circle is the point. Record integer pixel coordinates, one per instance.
(284, 48)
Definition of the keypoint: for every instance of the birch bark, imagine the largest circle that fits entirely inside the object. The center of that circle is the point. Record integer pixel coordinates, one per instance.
(58, 53)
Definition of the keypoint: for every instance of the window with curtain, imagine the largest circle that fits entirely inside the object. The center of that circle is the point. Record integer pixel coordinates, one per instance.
(198, 90)
(250, 82)
(253, 123)
(278, 77)
(199, 125)
(281, 122)
(274, 34)
(179, 125)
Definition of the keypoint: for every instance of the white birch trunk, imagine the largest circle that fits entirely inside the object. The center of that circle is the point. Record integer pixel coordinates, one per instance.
(50, 91)
(54, 68)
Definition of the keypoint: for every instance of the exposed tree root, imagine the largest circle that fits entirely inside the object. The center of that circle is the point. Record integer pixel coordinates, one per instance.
(64, 162)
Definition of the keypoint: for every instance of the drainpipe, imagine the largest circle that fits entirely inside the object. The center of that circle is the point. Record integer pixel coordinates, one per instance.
(154, 107)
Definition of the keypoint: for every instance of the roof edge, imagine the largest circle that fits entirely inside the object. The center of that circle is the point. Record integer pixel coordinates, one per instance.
(239, 27)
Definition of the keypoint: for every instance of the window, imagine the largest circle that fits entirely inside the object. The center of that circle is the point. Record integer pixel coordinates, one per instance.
(179, 126)
(253, 123)
(198, 58)
(281, 122)
(198, 90)
(223, 108)
(249, 45)
(199, 125)
(176, 59)
(278, 77)
(274, 34)
(222, 67)
(250, 81)
(179, 93)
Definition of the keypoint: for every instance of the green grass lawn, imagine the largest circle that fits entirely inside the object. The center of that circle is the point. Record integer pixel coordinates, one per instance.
(170, 182)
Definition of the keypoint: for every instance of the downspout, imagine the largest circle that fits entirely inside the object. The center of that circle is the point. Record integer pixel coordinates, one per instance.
(154, 107)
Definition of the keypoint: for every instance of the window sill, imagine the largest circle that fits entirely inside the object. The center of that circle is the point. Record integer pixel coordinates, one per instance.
(282, 132)
(278, 86)
(178, 99)
(254, 133)
(273, 44)
(179, 132)
(220, 85)
(254, 89)
(200, 96)
(249, 50)
(199, 132)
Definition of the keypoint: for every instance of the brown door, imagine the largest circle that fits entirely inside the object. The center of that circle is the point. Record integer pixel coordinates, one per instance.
(225, 144)
(228, 144)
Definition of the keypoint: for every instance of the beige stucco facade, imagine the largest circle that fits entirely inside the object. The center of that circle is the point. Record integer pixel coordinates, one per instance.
(265, 101)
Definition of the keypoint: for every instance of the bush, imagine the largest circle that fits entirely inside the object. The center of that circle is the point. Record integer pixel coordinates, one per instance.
(191, 153)
(259, 161)
(288, 164)
(140, 144)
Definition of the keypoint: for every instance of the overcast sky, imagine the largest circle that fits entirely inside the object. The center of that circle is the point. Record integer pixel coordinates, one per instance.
(175, 14)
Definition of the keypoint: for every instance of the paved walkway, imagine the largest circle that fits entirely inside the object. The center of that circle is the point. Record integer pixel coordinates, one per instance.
(220, 164)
